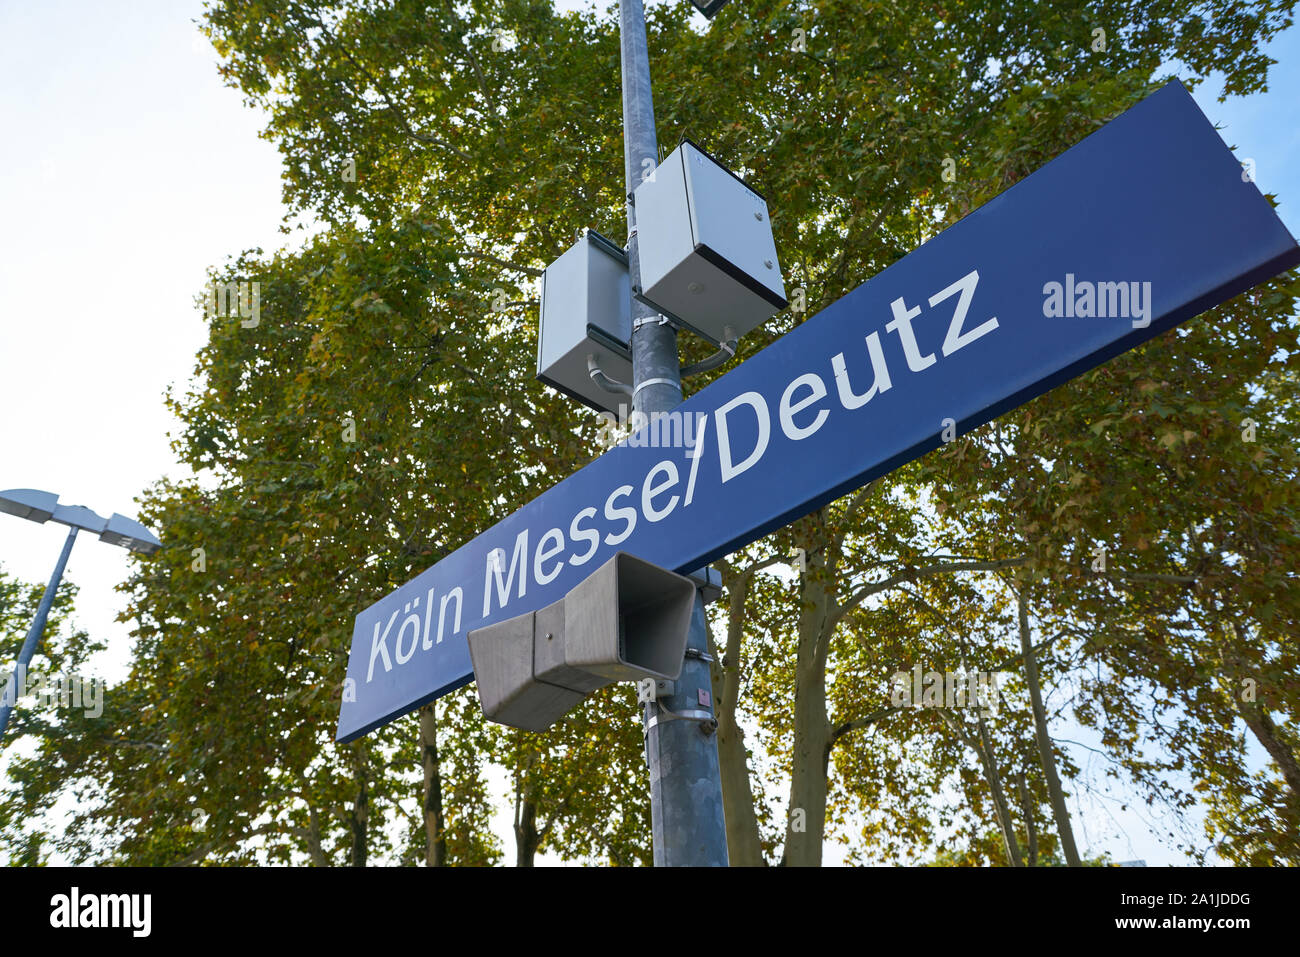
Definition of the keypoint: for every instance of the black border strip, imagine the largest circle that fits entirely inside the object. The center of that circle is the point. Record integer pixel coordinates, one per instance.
(710, 255)
(607, 245)
(572, 395)
(601, 337)
(722, 166)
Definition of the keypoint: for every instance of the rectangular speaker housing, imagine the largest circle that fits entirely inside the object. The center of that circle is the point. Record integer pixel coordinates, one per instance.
(626, 621)
(586, 311)
(707, 255)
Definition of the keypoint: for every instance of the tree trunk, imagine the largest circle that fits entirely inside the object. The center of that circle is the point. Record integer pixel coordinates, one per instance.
(1031, 832)
(812, 733)
(1057, 796)
(318, 858)
(999, 796)
(526, 836)
(744, 848)
(983, 747)
(1257, 718)
(359, 816)
(1265, 731)
(435, 846)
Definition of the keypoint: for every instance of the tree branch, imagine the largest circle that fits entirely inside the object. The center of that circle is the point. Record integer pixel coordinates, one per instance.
(893, 581)
(857, 725)
(503, 263)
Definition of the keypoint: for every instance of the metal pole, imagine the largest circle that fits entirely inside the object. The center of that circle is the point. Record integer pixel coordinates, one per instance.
(19, 677)
(685, 786)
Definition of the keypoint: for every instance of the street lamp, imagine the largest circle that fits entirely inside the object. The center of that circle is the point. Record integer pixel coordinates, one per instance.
(38, 506)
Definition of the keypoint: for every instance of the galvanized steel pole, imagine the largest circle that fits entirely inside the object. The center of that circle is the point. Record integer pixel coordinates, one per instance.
(19, 678)
(681, 746)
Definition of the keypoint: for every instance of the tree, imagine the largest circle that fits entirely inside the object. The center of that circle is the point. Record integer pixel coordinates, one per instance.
(382, 411)
(429, 92)
(56, 702)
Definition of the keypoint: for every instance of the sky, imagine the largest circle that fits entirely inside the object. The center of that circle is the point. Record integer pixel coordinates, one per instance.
(129, 169)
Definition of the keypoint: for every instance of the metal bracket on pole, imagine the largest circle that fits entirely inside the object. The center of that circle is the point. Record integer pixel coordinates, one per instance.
(656, 381)
(708, 723)
(659, 319)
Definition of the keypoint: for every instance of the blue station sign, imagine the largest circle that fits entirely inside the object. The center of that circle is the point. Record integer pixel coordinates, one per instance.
(1144, 224)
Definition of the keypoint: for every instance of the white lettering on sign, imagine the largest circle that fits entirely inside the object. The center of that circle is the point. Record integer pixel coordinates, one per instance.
(759, 405)
(380, 646)
(902, 324)
(744, 430)
(817, 387)
(457, 594)
(494, 563)
(545, 554)
(413, 619)
(650, 490)
(627, 514)
(696, 456)
(880, 383)
(956, 339)
(588, 535)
